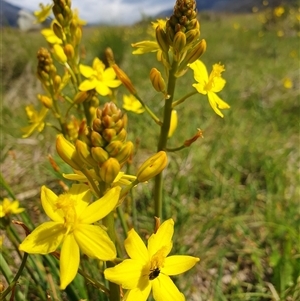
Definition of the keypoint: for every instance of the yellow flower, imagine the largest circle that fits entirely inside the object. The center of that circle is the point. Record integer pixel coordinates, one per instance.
(150, 268)
(130, 103)
(50, 36)
(210, 85)
(72, 227)
(287, 83)
(173, 124)
(98, 78)
(44, 13)
(36, 120)
(10, 207)
(278, 11)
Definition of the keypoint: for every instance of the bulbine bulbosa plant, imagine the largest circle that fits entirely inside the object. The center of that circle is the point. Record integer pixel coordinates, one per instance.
(87, 226)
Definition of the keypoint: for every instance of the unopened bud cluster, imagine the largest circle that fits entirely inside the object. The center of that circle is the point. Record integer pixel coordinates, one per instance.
(104, 146)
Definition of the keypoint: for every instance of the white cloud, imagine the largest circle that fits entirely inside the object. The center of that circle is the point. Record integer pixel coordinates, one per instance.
(108, 11)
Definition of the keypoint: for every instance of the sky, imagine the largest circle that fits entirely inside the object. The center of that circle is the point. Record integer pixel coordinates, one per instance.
(107, 11)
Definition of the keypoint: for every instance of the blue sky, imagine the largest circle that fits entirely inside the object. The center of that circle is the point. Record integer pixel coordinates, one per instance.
(108, 11)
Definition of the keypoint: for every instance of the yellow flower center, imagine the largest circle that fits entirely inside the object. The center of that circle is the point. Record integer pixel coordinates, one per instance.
(67, 205)
(214, 77)
(157, 263)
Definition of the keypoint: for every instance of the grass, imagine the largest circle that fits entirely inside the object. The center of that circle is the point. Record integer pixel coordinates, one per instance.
(234, 194)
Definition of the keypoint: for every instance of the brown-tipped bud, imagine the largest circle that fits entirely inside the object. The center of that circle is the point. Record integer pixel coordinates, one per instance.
(66, 150)
(99, 154)
(170, 35)
(57, 29)
(80, 97)
(46, 101)
(161, 39)
(113, 148)
(84, 153)
(122, 76)
(59, 54)
(179, 42)
(125, 152)
(109, 134)
(152, 166)
(109, 170)
(97, 139)
(97, 124)
(53, 163)
(157, 80)
(194, 138)
(69, 51)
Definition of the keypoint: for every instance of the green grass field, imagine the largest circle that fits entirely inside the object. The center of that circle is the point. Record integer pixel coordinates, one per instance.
(234, 195)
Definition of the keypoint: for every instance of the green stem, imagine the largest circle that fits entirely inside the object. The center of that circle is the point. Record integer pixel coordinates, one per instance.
(162, 143)
(17, 276)
(182, 99)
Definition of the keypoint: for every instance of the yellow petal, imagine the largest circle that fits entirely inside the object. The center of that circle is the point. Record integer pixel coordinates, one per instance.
(95, 242)
(200, 71)
(173, 124)
(44, 239)
(81, 195)
(178, 264)
(163, 237)
(88, 84)
(86, 71)
(165, 290)
(69, 261)
(102, 207)
(102, 89)
(128, 274)
(137, 294)
(48, 199)
(135, 247)
(216, 102)
(218, 84)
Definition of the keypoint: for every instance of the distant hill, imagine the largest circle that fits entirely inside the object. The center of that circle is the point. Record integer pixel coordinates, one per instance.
(9, 14)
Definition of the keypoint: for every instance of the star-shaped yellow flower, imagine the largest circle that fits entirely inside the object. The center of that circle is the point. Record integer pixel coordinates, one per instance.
(72, 227)
(36, 120)
(10, 207)
(130, 103)
(150, 268)
(210, 85)
(98, 78)
(44, 13)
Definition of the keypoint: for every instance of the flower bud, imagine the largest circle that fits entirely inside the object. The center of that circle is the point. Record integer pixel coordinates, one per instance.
(69, 51)
(125, 152)
(109, 170)
(109, 134)
(179, 42)
(80, 97)
(58, 31)
(173, 124)
(152, 166)
(121, 135)
(157, 80)
(97, 139)
(161, 39)
(99, 154)
(66, 150)
(192, 36)
(84, 153)
(46, 101)
(122, 76)
(114, 147)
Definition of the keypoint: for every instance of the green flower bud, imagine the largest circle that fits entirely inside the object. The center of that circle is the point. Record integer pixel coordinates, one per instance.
(109, 170)
(152, 166)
